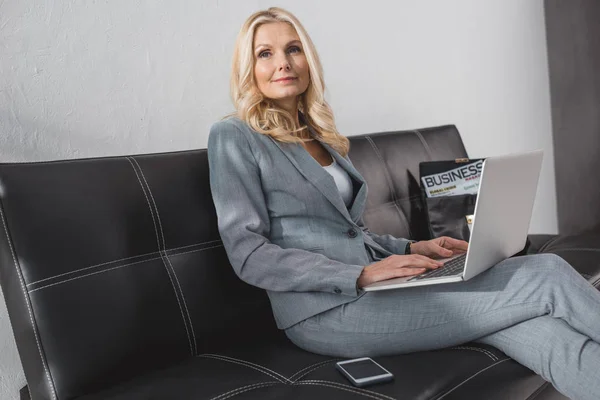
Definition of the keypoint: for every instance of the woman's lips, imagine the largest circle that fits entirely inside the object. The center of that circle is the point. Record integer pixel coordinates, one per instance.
(286, 80)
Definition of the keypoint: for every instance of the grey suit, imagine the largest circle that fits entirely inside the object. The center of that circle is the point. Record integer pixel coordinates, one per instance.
(286, 229)
(284, 225)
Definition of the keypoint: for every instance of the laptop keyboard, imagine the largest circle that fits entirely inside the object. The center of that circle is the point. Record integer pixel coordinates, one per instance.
(452, 267)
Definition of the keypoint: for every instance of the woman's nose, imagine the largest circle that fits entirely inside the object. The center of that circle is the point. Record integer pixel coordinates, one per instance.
(284, 64)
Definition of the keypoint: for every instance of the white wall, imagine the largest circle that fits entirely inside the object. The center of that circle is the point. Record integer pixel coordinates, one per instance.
(79, 79)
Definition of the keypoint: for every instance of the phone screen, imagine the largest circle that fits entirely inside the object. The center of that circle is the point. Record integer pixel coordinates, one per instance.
(363, 369)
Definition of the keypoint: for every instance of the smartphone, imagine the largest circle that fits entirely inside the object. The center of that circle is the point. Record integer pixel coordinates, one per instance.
(363, 371)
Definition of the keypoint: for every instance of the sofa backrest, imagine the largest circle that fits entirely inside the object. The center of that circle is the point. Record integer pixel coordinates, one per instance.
(389, 162)
(112, 267)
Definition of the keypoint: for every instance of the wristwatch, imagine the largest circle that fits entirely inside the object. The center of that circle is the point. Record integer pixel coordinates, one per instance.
(407, 248)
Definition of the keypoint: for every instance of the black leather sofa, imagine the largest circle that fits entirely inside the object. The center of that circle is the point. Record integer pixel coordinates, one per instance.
(118, 286)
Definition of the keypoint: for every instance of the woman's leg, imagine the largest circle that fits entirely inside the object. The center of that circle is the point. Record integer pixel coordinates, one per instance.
(554, 350)
(431, 317)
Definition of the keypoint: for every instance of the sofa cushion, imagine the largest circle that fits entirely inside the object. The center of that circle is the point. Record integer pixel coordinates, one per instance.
(277, 369)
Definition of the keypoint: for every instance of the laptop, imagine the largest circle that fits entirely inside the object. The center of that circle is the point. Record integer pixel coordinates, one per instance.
(505, 198)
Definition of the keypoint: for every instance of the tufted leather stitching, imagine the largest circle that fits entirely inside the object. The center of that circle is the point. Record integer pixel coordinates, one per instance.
(123, 259)
(425, 144)
(486, 352)
(391, 187)
(190, 245)
(183, 315)
(27, 302)
(288, 381)
(471, 377)
(187, 311)
(335, 385)
(313, 366)
(249, 364)
(243, 389)
(147, 201)
(308, 372)
(162, 235)
(121, 266)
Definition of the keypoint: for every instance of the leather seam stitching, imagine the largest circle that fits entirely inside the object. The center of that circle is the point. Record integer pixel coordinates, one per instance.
(29, 309)
(538, 391)
(471, 377)
(486, 352)
(425, 144)
(162, 235)
(117, 267)
(162, 259)
(128, 258)
(313, 366)
(249, 364)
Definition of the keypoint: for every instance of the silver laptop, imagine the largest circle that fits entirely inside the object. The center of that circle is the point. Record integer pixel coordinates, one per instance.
(507, 189)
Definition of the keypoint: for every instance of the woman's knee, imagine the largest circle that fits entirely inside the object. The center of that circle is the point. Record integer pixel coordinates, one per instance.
(553, 259)
(547, 271)
(548, 264)
(556, 265)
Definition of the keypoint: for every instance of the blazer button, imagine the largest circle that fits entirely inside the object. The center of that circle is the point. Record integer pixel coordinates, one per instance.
(351, 232)
(337, 290)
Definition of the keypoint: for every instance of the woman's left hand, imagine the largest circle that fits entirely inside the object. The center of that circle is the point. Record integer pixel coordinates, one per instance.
(441, 247)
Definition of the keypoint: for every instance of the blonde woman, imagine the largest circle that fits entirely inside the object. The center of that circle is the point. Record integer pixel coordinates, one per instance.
(289, 204)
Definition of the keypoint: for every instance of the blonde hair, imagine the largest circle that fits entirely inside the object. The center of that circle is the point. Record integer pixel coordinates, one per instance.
(259, 111)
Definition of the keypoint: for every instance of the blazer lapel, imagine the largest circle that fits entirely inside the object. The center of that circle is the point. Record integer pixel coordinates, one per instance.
(323, 181)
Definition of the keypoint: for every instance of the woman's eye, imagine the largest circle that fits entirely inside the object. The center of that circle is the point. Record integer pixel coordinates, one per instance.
(263, 53)
(294, 49)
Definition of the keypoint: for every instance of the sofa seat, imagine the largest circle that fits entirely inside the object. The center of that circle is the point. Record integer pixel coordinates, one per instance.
(277, 369)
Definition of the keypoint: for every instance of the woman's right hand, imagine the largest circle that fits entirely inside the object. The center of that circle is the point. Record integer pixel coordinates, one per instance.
(396, 266)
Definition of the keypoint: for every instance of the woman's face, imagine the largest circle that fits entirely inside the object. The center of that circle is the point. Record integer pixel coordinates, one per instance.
(280, 68)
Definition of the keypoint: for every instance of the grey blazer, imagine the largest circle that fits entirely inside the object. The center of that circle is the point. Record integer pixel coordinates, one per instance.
(284, 225)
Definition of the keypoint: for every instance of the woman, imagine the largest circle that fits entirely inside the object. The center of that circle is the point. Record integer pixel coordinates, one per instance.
(289, 204)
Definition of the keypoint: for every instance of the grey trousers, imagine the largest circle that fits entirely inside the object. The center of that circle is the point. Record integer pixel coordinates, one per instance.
(537, 309)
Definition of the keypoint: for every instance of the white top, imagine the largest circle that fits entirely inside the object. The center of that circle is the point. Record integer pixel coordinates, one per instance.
(342, 180)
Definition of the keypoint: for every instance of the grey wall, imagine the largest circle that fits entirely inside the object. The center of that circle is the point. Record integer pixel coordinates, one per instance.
(573, 35)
